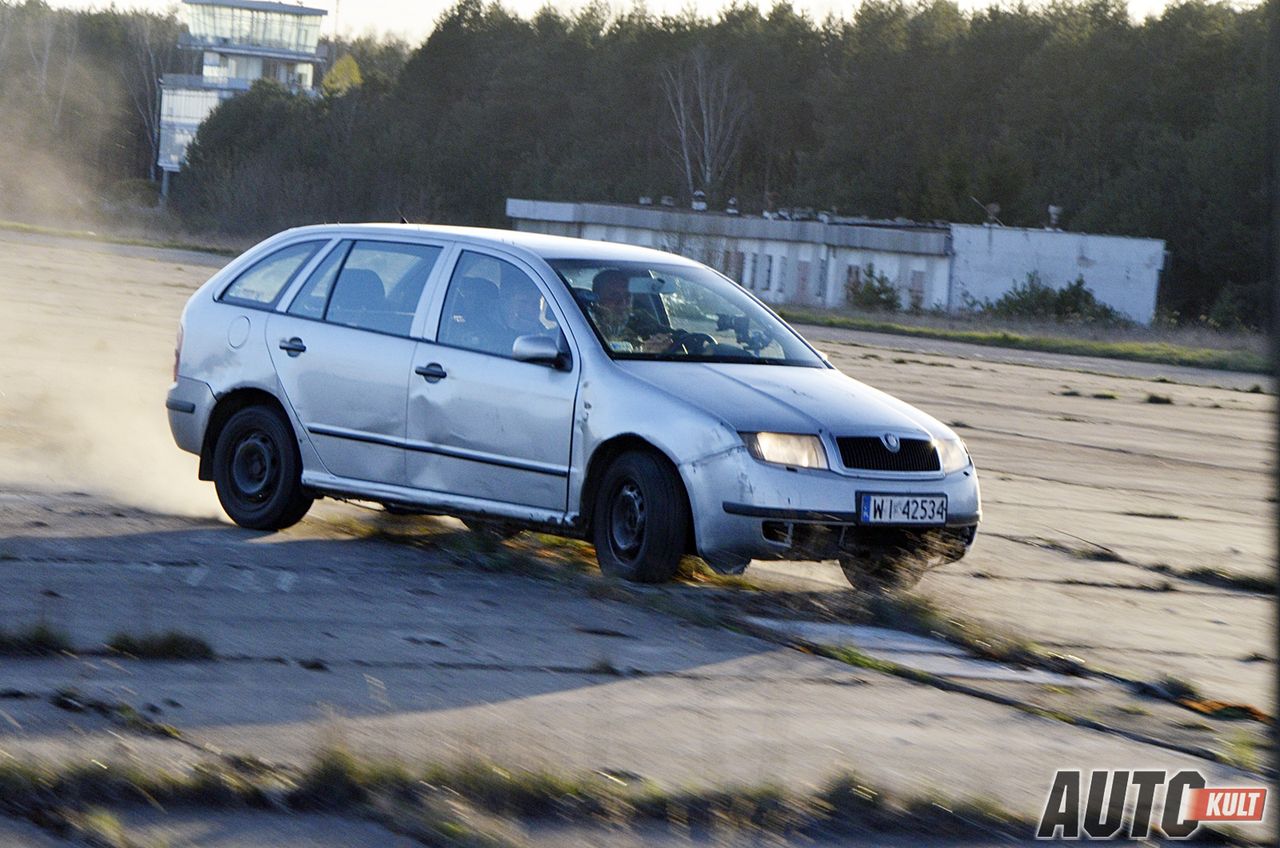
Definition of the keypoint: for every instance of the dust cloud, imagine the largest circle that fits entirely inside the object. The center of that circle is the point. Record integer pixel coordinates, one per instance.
(87, 333)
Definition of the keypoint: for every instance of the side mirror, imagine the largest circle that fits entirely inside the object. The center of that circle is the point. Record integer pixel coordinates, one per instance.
(542, 350)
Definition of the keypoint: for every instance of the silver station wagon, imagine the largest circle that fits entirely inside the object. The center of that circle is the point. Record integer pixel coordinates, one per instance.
(627, 396)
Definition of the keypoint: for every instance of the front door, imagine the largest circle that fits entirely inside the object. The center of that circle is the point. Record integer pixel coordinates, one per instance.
(343, 352)
(482, 424)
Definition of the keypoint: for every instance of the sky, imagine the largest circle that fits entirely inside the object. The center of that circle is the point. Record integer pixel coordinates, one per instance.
(412, 20)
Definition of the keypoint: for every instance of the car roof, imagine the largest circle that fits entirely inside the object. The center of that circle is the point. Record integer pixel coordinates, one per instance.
(538, 244)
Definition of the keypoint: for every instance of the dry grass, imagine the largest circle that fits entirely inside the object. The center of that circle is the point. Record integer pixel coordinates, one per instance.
(1194, 347)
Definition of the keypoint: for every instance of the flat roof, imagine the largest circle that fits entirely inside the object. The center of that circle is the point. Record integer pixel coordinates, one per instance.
(260, 6)
(871, 234)
(921, 239)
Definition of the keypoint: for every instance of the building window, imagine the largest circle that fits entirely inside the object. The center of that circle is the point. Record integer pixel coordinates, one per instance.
(768, 272)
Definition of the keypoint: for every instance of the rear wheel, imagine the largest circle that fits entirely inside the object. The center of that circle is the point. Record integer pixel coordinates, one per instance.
(639, 521)
(257, 471)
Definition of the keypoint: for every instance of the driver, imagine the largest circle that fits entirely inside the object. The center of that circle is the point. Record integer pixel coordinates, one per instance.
(615, 315)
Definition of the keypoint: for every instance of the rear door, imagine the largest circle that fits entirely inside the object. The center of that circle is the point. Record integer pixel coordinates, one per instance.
(343, 352)
(482, 424)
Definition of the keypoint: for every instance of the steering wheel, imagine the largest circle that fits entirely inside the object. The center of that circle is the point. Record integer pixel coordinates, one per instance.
(693, 344)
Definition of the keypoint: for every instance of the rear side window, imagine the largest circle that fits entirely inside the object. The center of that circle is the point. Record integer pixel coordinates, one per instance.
(379, 285)
(314, 297)
(262, 284)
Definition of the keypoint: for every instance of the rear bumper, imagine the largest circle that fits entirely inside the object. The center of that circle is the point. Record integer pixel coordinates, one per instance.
(744, 509)
(189, 404)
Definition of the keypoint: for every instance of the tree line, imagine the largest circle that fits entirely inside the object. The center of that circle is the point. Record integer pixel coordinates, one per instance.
(920, 110)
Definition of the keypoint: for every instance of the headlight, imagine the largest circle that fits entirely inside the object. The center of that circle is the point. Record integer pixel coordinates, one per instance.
(952, 455)
(787, 449)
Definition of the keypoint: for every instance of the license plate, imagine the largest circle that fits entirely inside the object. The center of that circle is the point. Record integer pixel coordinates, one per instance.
(903, 509)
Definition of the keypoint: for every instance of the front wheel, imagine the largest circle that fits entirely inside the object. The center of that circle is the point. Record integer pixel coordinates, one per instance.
(257, 471)
(877, 575)
(640, 521)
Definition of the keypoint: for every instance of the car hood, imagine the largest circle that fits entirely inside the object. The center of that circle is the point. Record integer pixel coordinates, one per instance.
(785, 399)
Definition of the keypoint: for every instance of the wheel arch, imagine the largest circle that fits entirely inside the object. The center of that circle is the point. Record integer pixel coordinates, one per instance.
(604, 455)
(227, 406)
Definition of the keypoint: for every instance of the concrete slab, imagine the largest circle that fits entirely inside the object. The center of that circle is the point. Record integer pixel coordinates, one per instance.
(254, 829)
(17, 833)
(932, 656)
(864, 637)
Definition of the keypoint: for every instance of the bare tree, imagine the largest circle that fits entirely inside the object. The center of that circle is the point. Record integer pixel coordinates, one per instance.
(153, 42)
(709, 108)
(71, 46)
(42, 34)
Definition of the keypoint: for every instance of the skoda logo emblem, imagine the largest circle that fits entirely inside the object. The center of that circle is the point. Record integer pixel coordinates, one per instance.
(891, 442)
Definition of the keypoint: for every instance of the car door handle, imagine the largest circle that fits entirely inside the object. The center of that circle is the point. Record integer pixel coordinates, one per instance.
(293, 346)
(432, 373)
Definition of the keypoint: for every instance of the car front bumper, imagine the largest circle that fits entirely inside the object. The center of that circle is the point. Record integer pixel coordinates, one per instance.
(744, 509)
(189, 404)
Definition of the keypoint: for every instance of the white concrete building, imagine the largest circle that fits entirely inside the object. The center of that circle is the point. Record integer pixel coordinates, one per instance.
(935, 266)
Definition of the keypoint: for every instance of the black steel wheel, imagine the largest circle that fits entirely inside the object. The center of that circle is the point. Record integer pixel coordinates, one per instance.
(257, 471)
(640, 519)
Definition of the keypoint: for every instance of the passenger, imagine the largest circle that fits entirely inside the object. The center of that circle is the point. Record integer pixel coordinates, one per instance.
(519, 313)
(614, 313)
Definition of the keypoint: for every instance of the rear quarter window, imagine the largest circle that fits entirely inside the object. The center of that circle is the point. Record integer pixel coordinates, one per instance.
(262, 283)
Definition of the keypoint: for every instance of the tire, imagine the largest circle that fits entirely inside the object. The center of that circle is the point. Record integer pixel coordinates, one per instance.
(898, 559)
(879, 575)
(640, 521)
(257, 471)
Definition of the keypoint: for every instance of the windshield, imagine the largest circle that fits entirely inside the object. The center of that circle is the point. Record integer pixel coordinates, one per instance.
(678, 313)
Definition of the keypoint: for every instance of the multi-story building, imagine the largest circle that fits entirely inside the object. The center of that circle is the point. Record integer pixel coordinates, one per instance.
(234, 42)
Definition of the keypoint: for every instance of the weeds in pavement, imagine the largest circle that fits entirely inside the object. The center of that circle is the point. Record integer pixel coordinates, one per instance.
(1242, 750)
(37, 640)
(71, 700)
(694, 570)
(467, 804)
(1159, 399)
(102, 829)
(604, 666)
(1230, 579)
(170, 645)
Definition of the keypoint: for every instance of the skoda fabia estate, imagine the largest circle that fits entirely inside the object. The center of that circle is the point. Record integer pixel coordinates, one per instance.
(620, 394)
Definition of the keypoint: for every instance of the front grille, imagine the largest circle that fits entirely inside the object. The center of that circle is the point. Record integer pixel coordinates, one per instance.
(868, 453)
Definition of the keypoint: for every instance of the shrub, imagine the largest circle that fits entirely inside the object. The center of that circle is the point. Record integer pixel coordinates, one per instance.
(1073, 304)
(872, 291)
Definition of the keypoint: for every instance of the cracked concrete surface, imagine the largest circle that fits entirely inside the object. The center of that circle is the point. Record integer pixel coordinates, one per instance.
(103, 528)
